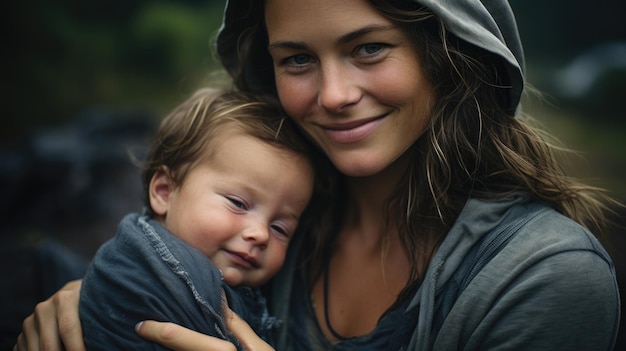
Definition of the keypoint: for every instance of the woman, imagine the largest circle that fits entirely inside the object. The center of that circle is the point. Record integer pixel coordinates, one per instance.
(451, 225)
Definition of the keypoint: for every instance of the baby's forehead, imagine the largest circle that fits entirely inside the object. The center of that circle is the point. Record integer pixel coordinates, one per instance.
(247, 161)
(271, 135)
(231, 136)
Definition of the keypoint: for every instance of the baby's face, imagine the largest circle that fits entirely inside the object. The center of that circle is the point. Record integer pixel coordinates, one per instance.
(242, 207)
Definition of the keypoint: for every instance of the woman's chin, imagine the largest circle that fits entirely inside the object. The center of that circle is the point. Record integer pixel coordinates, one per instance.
(368, 164)
(359, 167)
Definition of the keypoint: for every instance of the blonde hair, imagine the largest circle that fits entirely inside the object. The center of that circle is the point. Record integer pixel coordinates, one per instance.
(187, 135)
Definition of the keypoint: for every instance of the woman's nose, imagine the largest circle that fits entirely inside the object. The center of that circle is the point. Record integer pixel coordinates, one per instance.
(337, 90)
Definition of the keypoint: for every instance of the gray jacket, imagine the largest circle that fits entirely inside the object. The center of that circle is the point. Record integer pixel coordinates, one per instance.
(551, 287)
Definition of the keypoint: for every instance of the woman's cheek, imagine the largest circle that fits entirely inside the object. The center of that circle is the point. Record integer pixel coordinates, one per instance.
(296, 96)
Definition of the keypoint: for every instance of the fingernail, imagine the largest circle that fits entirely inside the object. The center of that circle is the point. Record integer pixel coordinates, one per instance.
(138, 326)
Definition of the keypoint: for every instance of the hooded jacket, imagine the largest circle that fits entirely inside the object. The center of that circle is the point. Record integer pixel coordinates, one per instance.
(550, 287)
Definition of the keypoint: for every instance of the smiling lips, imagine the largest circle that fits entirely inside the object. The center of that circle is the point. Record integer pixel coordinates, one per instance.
(244, 260)
(346, 133)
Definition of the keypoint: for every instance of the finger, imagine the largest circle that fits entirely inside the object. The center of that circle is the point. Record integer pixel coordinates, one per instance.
(244, 333)
(68, 318)
(42, 333)
(28, 338)
(21, 343)
(57, 323)
(179, 338)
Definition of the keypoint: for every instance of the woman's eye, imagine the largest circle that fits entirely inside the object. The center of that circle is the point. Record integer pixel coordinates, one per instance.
(299, 60)
(370, 49)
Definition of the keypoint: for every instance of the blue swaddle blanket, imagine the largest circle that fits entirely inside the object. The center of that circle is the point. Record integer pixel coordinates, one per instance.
(145, 272)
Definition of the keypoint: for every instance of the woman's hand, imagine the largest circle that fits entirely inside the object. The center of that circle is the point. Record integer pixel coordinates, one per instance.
(179, 338)
(55, 322)
(242, 331)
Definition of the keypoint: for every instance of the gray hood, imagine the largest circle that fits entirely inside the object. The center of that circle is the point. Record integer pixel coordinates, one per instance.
(488, 24)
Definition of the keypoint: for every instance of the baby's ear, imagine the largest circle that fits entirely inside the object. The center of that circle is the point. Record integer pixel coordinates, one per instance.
(160, 189)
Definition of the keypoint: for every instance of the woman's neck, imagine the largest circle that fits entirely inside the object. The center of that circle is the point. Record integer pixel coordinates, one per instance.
(368, 199)
(367, 255)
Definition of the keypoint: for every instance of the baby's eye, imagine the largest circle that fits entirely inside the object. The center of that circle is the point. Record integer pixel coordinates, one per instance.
(281, 230)
(237, 203)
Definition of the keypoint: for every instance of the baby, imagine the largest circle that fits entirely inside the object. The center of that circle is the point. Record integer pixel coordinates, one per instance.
(226, 182)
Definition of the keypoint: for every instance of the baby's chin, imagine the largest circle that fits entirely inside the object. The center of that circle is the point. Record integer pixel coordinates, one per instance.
(235, 277)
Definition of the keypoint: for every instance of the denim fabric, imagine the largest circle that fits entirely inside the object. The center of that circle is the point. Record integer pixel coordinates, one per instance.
(145, 272)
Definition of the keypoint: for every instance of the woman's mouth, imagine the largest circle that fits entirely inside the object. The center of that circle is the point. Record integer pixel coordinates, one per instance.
(347, 133)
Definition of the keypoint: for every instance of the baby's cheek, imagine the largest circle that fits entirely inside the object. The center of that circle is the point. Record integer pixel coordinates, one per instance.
(277, 260)
(232, 276)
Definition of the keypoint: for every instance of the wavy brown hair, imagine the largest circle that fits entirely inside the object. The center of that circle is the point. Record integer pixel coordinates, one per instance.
(473, 148)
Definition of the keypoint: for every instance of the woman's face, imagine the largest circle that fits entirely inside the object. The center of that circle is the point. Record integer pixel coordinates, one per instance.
(350, 78)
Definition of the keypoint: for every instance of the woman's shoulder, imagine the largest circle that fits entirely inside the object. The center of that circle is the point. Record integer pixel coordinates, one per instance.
(552, 279)
(531, 224)
(550, 232)
(536, 242)
(553, 251)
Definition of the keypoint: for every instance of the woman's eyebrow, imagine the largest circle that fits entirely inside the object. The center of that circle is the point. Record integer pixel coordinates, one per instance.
(344, 39)
(348, 37)
(287, 45)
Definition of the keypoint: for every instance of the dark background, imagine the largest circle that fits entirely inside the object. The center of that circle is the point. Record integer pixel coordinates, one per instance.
(84, 83)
